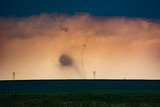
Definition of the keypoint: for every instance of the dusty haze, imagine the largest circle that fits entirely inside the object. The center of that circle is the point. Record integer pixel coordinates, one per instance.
(51, 46)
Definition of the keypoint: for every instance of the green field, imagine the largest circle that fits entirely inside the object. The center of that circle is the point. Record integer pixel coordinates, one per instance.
(81, 99)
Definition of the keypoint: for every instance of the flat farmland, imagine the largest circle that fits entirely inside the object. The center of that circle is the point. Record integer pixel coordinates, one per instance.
(80, 93)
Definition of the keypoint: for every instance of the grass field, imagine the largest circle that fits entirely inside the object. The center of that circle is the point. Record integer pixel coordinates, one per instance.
(81, 99)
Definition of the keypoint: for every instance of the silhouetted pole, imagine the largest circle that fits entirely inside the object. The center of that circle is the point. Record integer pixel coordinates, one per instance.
(94, 74)
(82, 57)
(14, 74)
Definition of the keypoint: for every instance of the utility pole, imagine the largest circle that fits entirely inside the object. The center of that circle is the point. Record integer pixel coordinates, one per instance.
(82, 56)
(14, 74)
(94, 74)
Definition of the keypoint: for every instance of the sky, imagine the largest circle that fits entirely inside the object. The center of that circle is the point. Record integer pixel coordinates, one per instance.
(59, 39)
(128, 8)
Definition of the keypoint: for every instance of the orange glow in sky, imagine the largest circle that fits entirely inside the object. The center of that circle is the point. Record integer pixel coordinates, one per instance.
(114, 47)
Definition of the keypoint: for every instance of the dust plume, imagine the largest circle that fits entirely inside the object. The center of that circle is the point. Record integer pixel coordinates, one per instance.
(58, 46)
